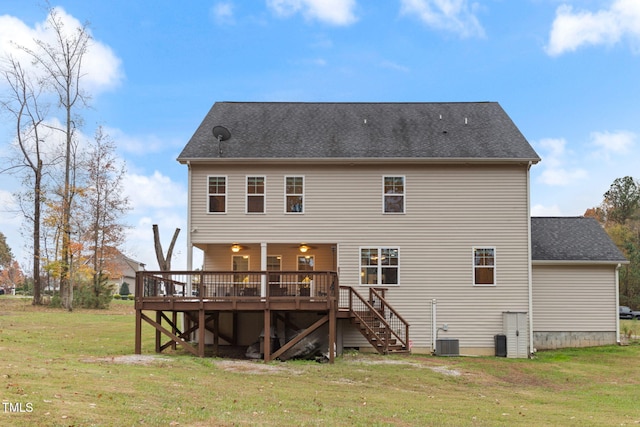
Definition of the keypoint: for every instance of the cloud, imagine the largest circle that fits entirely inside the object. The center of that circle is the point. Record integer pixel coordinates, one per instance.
(313, 62)
(154, 192)
(620, 142)
(541, 210)
(334, 12)
(222, 13)
(140, 243)
(394, 66)
(555, 173)
(456, 16)
(8, 209)
(100, 66)
(141, 144)
(573, 29)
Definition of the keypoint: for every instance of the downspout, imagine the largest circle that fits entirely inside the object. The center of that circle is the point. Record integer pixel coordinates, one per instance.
(617, 280)
(530, 273)
(189, 290)
(189, 245)
(434, 325)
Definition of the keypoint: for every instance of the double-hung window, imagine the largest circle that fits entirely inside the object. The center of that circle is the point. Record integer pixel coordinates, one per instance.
(255, 194)
(294, 189)
(379, 266)
(484, 266)
(217, 191)
(393, 194)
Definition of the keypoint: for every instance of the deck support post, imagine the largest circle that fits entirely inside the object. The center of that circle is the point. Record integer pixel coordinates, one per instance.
(216, 332)
(138, 345)
(174, 328)
(234, 332)
(202, 322)
(332, 332)
(267, 335)
(158, 333)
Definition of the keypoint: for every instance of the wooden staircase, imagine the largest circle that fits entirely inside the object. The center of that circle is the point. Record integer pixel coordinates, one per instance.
(378, 322)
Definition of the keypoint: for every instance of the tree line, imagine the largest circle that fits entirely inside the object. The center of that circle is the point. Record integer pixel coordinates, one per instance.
(71, 197)
(619, 214)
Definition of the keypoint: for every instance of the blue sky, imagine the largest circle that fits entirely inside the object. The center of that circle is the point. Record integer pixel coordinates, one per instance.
(567, 72)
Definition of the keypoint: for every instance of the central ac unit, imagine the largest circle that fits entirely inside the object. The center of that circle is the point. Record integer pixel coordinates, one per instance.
(447, 347)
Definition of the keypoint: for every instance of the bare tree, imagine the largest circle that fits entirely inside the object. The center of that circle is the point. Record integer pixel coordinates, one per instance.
(164, 262)
(104, 204)
(61, 62)
(28, 115)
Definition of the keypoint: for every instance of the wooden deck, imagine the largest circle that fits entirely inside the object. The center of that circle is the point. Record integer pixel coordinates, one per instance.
(202, 296)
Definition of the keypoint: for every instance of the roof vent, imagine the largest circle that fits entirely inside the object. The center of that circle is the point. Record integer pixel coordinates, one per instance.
(221, 133)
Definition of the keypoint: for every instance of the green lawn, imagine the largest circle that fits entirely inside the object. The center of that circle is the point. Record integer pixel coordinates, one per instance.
(65, 369)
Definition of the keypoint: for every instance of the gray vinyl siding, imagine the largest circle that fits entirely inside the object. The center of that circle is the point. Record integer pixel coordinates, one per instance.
(449, 210)
(579, 298)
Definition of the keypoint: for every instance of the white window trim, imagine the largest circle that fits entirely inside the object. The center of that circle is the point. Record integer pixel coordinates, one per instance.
(279, 258)
(313, 257)
(304, 199)
(247, 257)
(247, 195)
(379, 266)
(473, 265)
(404, 195)
(226, 194)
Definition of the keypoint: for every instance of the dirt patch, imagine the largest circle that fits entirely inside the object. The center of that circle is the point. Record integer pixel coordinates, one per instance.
(129, 359)
(445, 371)
(249, 367)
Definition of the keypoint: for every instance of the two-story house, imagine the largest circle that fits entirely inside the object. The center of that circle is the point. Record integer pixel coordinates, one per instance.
(429, 201)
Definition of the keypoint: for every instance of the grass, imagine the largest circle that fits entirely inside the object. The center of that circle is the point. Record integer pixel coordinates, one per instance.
(78, 369)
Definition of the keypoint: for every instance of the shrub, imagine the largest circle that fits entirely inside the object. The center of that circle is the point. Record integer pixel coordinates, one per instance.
(117, 296)
(94, 295)
(124, 289)
(132, 297)
(56, 301)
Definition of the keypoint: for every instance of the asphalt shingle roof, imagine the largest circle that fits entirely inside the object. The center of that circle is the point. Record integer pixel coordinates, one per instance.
(572, 239)
(281, 130)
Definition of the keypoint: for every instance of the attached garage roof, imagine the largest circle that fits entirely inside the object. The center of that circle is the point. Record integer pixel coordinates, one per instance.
(469, 131)
(572, 239)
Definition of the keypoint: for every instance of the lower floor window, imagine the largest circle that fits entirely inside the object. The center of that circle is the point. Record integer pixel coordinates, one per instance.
(379, 266)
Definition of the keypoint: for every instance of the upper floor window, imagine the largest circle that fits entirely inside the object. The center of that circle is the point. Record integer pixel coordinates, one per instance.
(393, 194)
(255, 194)
(294, 189)
(217, 190)
(379, 266)
(484, 266)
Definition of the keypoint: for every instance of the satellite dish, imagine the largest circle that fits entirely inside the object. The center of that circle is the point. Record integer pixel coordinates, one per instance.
(221, 133)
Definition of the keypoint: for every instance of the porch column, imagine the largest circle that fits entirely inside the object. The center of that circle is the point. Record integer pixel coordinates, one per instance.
(263, 267)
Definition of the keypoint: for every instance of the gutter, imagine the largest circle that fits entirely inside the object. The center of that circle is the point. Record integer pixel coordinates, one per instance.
(359, 160)
(577, 262)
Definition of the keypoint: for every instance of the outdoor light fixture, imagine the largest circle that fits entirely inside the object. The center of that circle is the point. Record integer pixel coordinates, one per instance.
(235, 247)
(304, 248)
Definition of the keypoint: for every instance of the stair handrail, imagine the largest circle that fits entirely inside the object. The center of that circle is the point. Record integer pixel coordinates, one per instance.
(380, 317)
(366, 324)
(374, 292)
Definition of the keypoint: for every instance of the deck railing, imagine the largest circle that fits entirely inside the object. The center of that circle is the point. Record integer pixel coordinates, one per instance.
(245, 285)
